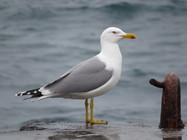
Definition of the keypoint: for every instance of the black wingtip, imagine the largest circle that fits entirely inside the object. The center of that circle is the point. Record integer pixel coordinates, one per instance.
(34, 93)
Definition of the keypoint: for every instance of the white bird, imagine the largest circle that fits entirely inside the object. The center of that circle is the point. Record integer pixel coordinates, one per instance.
(91, 78)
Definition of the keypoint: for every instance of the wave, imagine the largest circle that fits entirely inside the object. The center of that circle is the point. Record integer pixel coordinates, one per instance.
(124, 6)
(143, 7)
(40, 10)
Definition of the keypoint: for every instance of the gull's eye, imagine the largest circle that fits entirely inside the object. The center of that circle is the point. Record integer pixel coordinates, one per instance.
(114, 32)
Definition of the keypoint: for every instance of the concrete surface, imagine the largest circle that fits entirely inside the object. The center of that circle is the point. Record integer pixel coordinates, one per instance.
(81, 131)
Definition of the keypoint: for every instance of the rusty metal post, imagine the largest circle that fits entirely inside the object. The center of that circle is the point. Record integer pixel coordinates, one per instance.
(171, 101)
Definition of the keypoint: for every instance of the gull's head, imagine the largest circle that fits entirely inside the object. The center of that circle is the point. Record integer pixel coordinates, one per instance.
(113, 35)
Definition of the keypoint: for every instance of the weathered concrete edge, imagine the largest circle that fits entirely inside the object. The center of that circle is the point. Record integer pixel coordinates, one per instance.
(77, 130)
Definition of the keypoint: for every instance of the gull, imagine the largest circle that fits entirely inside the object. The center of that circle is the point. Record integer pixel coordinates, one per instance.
(91, 78)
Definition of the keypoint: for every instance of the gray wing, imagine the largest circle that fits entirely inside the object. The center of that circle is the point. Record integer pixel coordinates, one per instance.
(86, 76)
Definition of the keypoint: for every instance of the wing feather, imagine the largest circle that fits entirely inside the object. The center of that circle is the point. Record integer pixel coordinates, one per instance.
(87, 76)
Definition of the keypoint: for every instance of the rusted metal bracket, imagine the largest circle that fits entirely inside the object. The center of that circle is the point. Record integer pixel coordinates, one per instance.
(171, 101)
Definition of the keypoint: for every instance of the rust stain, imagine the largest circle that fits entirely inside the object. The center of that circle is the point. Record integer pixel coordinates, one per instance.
(170, 116)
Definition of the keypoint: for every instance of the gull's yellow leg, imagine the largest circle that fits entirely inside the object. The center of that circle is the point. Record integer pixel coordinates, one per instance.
(86, 109)
(92, 121)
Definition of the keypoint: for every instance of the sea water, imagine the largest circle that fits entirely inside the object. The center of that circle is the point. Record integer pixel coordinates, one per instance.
(40, 40)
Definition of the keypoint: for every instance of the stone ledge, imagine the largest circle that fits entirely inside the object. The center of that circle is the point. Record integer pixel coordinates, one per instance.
(80, 131)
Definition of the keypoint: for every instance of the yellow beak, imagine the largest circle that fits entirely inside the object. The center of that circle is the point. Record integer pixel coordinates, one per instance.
(129, 35)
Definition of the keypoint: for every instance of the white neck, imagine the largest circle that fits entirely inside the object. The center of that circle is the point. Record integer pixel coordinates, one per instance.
(111, 54)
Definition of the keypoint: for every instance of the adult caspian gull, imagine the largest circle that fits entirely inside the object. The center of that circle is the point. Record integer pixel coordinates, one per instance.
(91, 78)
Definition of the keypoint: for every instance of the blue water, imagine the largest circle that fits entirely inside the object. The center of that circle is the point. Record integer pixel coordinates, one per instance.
(40, 40)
